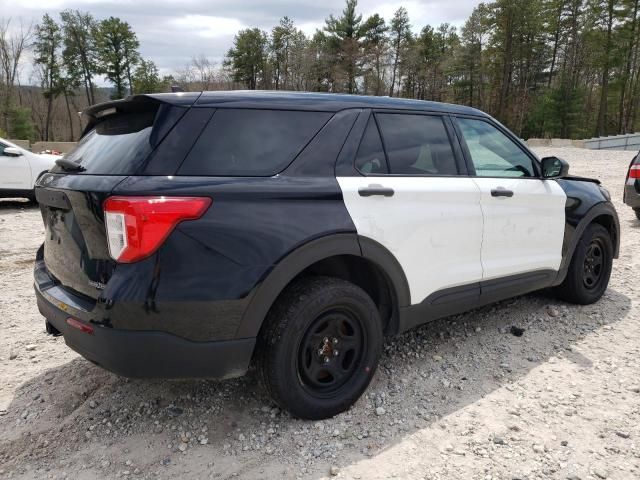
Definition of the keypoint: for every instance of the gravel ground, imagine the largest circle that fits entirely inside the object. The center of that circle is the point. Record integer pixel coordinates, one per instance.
(458, 398)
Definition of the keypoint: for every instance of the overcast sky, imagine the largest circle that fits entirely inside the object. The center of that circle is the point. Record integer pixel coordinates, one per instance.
(171, 32)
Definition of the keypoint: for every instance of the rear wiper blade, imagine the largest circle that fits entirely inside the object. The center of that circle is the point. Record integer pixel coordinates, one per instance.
(69, 165)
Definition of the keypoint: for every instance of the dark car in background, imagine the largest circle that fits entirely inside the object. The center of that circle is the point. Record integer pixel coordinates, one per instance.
(632, 185)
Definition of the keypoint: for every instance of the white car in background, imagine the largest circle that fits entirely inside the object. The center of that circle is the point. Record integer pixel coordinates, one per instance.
(20, 168)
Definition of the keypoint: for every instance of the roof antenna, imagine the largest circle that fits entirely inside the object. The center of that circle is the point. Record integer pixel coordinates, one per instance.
(176, 88)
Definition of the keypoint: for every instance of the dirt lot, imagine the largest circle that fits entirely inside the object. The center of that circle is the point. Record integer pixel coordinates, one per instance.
(460, 398)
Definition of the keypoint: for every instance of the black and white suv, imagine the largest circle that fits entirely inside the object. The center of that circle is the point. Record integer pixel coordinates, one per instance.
(189, 234)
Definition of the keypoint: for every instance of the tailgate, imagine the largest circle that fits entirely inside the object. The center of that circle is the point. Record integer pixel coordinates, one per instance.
(119, 140)
(75, 247)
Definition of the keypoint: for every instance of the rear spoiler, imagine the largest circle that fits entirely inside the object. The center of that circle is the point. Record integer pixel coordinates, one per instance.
(135, 103)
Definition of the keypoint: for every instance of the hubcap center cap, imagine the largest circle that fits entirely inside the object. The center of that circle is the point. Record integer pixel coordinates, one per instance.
(327, 349)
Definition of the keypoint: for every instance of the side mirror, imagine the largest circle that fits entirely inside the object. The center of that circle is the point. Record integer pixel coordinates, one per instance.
(554, 167)
(12, 152)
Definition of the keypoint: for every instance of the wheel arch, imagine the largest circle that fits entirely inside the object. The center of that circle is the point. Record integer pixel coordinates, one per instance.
(610, 222)
(601, 213)
(359, 260)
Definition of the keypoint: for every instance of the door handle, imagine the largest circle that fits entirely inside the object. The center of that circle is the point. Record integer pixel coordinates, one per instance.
(375, 189)
(501, 192)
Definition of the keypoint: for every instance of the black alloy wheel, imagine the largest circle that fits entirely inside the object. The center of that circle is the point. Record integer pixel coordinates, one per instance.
(594, 264)
(331, 350)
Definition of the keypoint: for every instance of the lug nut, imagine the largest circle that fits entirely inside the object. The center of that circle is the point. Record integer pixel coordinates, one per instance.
(326, 359)
(336, 353)
(335, 341)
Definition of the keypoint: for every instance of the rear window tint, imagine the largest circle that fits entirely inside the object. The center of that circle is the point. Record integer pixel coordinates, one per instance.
(242, 142)
(168, 157)
(370, 158)
(116, 146)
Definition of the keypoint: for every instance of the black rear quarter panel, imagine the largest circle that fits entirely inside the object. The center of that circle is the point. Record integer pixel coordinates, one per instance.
(201, 281)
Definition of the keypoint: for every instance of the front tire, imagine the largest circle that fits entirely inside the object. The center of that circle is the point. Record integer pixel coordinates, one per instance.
(320, 347)
(590, 268)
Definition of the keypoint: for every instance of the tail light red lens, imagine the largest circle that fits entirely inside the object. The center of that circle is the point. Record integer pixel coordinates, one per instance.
(137, 226)
(82, 326)
(634, 171)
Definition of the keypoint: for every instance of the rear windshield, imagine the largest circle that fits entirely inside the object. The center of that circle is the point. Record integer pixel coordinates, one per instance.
(117, 146)
(242, 142)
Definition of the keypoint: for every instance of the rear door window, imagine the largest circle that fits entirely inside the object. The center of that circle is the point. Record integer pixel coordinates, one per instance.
(417, 144)
(244, 142)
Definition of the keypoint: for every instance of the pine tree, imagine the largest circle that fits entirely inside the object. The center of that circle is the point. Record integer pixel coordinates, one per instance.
(80, 52)
(375, 47)
(400, 37)
(146, 78)
(247, 58)
(344, 35)
(117, 47)
(48, 40)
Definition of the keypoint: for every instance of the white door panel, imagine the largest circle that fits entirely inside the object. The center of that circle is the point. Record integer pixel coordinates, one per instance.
(524, 232)
(433, 226)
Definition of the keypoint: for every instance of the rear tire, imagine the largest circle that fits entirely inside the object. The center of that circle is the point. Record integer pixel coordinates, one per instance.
(320, 347)
(590, 268)
(637, 212)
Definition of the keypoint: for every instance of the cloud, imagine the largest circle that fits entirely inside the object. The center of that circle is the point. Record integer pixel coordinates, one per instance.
(207, 26)
(171, 32)
(422, 13)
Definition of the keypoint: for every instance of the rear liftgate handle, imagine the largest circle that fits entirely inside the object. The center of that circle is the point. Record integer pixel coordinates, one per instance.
(501, 192)
(375, 189)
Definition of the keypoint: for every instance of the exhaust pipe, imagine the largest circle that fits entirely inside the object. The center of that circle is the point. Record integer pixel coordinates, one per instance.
(51, 330)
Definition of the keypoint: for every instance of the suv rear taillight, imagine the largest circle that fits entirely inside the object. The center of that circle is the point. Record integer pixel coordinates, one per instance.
(634, 171)
(137, 226)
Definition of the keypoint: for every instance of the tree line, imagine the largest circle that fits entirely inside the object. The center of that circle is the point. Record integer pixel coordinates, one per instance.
(70, 55)
(545, 68)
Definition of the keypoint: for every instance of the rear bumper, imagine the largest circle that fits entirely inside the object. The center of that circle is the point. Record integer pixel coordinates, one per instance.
(632, 194)
(148, 354)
